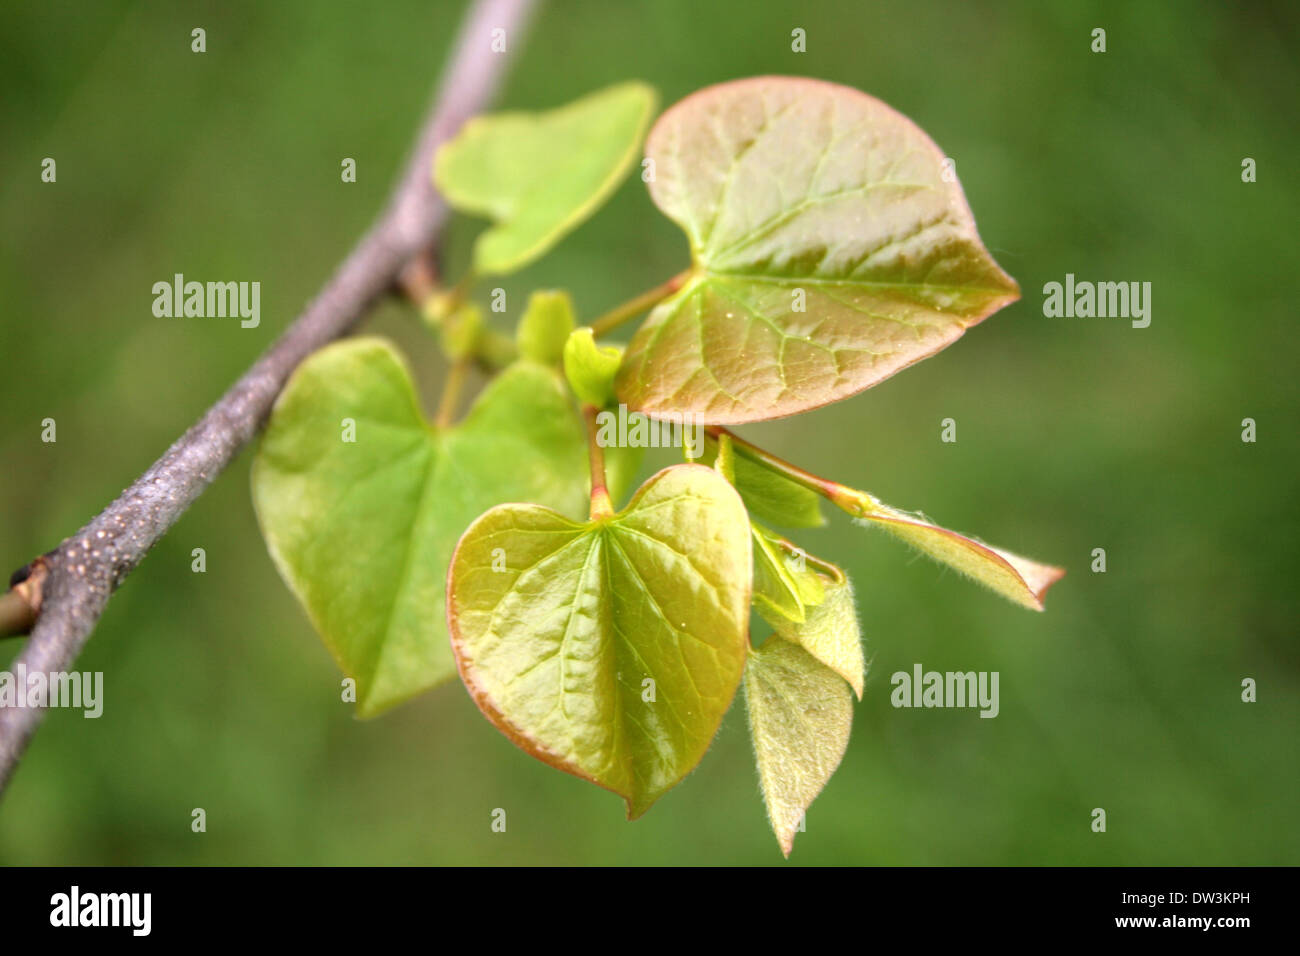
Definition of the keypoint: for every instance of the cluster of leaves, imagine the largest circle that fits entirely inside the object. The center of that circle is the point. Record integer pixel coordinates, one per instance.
(828, 252)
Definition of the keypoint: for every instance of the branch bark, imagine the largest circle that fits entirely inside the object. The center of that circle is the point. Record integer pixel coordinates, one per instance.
(82, 573)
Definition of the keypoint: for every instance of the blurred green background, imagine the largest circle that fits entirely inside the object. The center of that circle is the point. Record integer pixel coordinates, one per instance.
(1073, 434)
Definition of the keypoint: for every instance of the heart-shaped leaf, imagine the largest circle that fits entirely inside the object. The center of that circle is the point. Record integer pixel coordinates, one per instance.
(831, 250)
(361, 501)
(1017, 579)
(609, 649)
(800, 714)
(829, 629)
(540, 175)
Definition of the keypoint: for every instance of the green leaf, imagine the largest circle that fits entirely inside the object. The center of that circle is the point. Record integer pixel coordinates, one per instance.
(540, 175)
(558, 626)
(362, 531)
(590, 368)
(546, 325)
(775, 590)
(829, 252)
(780, 586)
(771, 496)
(829, 630)
(800, 714)
(1016, 578)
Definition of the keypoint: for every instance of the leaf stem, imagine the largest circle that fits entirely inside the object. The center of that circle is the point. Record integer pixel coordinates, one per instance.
(601, 505)
(451, 389)
(725, 463)
(642, 303)
(437, 303)
(418, 281)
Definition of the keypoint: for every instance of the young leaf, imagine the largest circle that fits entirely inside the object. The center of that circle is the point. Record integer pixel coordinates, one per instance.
(780, 587)
(609, 649)
(771, 496)
(361, 501)
(829, 252)
(1018, 579)
(590, 367)
(546, 325)
(829, 630)
(540, 175)
(776, 593)
(800, 714)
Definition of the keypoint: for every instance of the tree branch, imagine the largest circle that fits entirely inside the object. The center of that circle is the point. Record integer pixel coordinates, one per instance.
(82, 573)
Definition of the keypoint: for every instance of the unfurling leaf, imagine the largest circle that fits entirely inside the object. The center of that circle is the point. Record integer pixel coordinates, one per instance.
(829, 252)
(540, 175)
(1018, 579)
(800, 714)
(782, 588)
(546, 325)
(590, 368)
(360, 500)
(829, 630)
(557, 626)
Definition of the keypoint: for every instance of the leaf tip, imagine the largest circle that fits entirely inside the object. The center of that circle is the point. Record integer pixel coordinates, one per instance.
(1048, 574)
(637, 805)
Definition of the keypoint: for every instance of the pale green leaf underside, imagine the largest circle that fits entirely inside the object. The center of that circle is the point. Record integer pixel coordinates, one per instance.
(799, 193)
(829, 631)
(540, 175)
(556, 640)
(1016, 578)
(800, 715)
(362, 531)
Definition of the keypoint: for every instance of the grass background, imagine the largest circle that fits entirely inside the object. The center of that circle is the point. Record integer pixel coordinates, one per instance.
(1073, 433)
